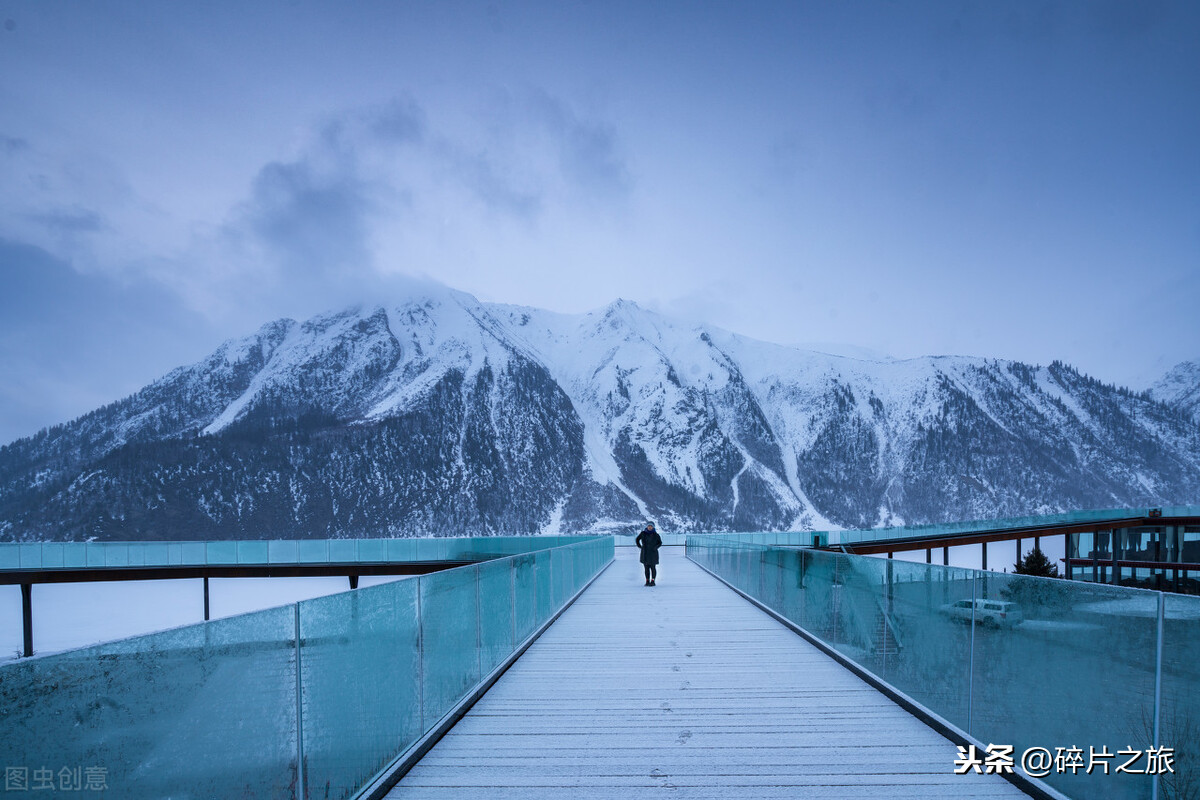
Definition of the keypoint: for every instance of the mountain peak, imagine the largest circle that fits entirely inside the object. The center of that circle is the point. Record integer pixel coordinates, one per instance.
(429, 412)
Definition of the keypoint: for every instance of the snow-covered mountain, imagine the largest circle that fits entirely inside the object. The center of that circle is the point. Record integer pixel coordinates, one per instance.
(1180, 387)
(441, 415)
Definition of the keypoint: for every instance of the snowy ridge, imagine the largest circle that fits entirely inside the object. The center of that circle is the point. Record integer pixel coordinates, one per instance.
(439, 413)
(1180, 387)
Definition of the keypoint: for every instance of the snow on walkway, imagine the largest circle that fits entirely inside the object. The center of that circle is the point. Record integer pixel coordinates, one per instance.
(684, 690)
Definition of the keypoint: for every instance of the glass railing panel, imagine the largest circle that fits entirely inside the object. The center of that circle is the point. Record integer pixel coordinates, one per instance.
(401, 549)
(249, 552)
(314, 551)
(1179, 716)
(152, 714)
(545, 585)
(525, 597)
(283, 551)
(192, 552)
(30, 556)
(342, 551)
(561, 581)
(10, 556)
(372, 550)
(75, 554)
(496, 619)
(378, 666)
(116, 554)
(156, 554)
(360, 672)
(449, 638)
(53, 555)
(221, 553)
(1060, 664)
(918, 645)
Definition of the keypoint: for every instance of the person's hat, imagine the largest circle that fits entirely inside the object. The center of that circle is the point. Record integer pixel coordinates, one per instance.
(649, 524)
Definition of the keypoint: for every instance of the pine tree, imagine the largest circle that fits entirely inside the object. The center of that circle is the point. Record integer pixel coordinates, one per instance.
(1036, 563)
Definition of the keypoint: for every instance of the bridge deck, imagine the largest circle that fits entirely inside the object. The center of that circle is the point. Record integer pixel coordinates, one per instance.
(689, 690)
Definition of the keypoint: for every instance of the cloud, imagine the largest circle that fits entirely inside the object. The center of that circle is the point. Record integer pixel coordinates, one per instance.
(71, 342)
(370, 191)
(10, 145)
(483, 178)
(389, 179)
(69, 221)
(311, 220)
(589, 151)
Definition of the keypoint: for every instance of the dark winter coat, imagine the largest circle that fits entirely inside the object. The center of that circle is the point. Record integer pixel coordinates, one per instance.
(649, 541)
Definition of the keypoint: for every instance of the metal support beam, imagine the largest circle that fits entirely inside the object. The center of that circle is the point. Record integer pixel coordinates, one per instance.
(353, 581)
(27, 616)
(945, 556)
(1018, 561)
(928, 555)
(984, 554)
(206, 599)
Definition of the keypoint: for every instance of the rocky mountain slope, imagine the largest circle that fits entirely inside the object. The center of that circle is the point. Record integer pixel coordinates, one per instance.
(441, 415)
(1180, 387)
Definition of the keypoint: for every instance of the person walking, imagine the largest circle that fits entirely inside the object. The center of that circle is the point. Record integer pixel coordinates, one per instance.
(648, 541)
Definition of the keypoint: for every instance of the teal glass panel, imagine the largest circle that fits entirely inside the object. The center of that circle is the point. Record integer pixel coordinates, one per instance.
(544, 567)
(10, 556)
(220, 552)
(435, 549)
(208, 707)
(157, 554)
(283, 551)
(360, 672)
(53, 554)
(422, 549)
(525, 598)
(1179, 718)
(30, 556)
(449, 639)
(314, 551)
(95, 554)
(193, 552)
(496, 621)
(116, 554)
(462, 549)
(342, 551)
(401, 550)
(253, 552)
(1082, 655)
(562, 577)
(372, 550)
(75, 554)
(137, 554)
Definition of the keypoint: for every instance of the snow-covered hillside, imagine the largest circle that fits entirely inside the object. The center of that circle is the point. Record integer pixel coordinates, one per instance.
(1180, 387)
(441, 415)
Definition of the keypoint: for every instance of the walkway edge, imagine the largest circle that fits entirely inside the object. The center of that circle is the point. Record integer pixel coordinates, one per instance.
(1031, 786)
(383, 783)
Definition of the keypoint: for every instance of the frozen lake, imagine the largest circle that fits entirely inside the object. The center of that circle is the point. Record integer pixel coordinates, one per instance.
(69, 615)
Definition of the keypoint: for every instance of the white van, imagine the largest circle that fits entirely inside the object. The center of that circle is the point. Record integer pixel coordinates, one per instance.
(993, 613)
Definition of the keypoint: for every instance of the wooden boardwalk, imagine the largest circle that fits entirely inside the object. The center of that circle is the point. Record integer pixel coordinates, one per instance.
(684, 690)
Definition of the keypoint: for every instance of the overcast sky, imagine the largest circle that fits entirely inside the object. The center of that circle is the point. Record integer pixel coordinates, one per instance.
(1003, 179)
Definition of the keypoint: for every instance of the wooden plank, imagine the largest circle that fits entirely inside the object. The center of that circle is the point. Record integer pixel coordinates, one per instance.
(685, 689)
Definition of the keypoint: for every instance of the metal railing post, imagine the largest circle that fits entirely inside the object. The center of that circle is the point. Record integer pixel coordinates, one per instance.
(300, 788)
(421, 652)
(1158, 663)
(971, 662)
